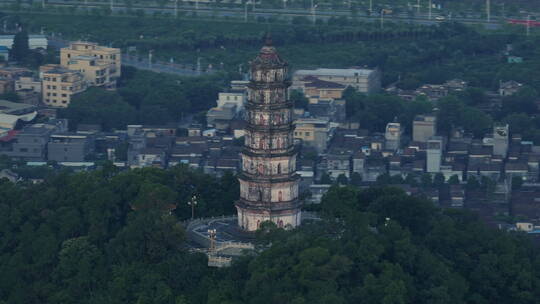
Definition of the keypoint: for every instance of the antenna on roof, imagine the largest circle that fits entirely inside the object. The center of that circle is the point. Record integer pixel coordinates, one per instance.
(268, 39)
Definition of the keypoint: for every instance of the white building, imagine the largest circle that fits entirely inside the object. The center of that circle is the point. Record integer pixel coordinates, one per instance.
(236, 98)
(392, 136)
(34, 41)
(364, 80)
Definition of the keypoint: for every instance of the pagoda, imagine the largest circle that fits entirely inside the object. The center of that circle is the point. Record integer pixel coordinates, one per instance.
(268, 180)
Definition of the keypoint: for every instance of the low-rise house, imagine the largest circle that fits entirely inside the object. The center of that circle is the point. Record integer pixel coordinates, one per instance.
(70, 147)
(338, 163)
(516, 169)
(151, 157)
(492, 171)
(457, 195)
(509, 88)
(317, 192)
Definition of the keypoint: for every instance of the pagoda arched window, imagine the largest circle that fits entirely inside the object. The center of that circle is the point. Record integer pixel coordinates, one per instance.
(280, 196)
(278, 168)
(260, 169)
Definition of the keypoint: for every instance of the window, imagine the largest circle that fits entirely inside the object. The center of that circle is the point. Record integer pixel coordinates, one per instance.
(64, 95)
(54, 87)
(64, 101)
(54, 79)
(65, 149)
(48, 94)
(308, 133)
(53, 94)
(68, 55)
(48, 87)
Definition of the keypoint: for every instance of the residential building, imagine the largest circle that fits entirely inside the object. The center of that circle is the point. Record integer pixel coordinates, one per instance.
(313, 132)
(69, 147)
(392, 136)
(96, 72)
(320, 89)
(509, 88)
(31, 142)
(424, 127)
(59, 85)
(363, 80)
(338, 162)
(500, 140)
(106, 54)
(237, 98)
(4, 53)
(434, 154)
(28, 83)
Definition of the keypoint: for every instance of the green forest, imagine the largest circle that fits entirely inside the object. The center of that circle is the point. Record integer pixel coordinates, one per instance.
(106, 237)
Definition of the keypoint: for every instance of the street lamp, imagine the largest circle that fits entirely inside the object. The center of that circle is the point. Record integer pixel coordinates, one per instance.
(150, 53)
(313, 12)
(193, 202)
(212, 234)
(245, 10)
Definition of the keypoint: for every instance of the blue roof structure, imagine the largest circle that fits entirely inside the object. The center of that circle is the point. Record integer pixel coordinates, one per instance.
(3, 49)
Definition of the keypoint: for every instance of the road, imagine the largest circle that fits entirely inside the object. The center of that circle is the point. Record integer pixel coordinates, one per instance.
(248, 11)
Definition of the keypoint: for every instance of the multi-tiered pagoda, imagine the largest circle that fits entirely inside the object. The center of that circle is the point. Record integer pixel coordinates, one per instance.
(268, 182)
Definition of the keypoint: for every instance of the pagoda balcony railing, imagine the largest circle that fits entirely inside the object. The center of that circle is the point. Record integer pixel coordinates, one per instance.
(274, 206)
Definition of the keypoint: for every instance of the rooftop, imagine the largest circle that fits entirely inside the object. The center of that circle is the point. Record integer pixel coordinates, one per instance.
(335, 72)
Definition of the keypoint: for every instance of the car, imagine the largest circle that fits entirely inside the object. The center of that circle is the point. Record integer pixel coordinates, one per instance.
(440, 18)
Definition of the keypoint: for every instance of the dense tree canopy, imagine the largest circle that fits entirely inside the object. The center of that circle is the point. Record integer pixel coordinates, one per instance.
(76, 238)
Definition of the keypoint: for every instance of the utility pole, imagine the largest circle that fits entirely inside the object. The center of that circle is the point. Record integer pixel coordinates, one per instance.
(528, 25)
(371, 5)
(418, 7)
(488, 10)
(150, 53)
(196, 4)
(284, 4)
(43, 4)
(382, 19)
(198, 65)
(112, 5)
(175, 8)
(429, 14)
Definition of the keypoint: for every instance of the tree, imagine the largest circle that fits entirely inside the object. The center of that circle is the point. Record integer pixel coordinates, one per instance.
(426, 180)
(97, 105)
(325, 179)
(453, 180)
(438, 180)
(21, 48)
(299, 99)
(342, 179)
(356, 179)
(517, 182)
(472, 183)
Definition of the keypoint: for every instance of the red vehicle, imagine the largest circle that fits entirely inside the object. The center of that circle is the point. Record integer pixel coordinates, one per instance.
(524, 22)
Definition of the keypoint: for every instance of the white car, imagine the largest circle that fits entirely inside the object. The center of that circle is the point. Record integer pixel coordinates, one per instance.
(440, 18)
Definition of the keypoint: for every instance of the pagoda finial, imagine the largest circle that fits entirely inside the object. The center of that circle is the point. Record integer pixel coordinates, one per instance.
(268, 39)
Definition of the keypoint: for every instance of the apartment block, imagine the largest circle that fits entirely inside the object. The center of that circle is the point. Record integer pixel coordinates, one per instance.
(96, 72)
(109, 55)
(424, 127)
(59, 85)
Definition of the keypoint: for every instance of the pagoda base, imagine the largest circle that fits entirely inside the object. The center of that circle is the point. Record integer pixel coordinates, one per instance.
(251, 219)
